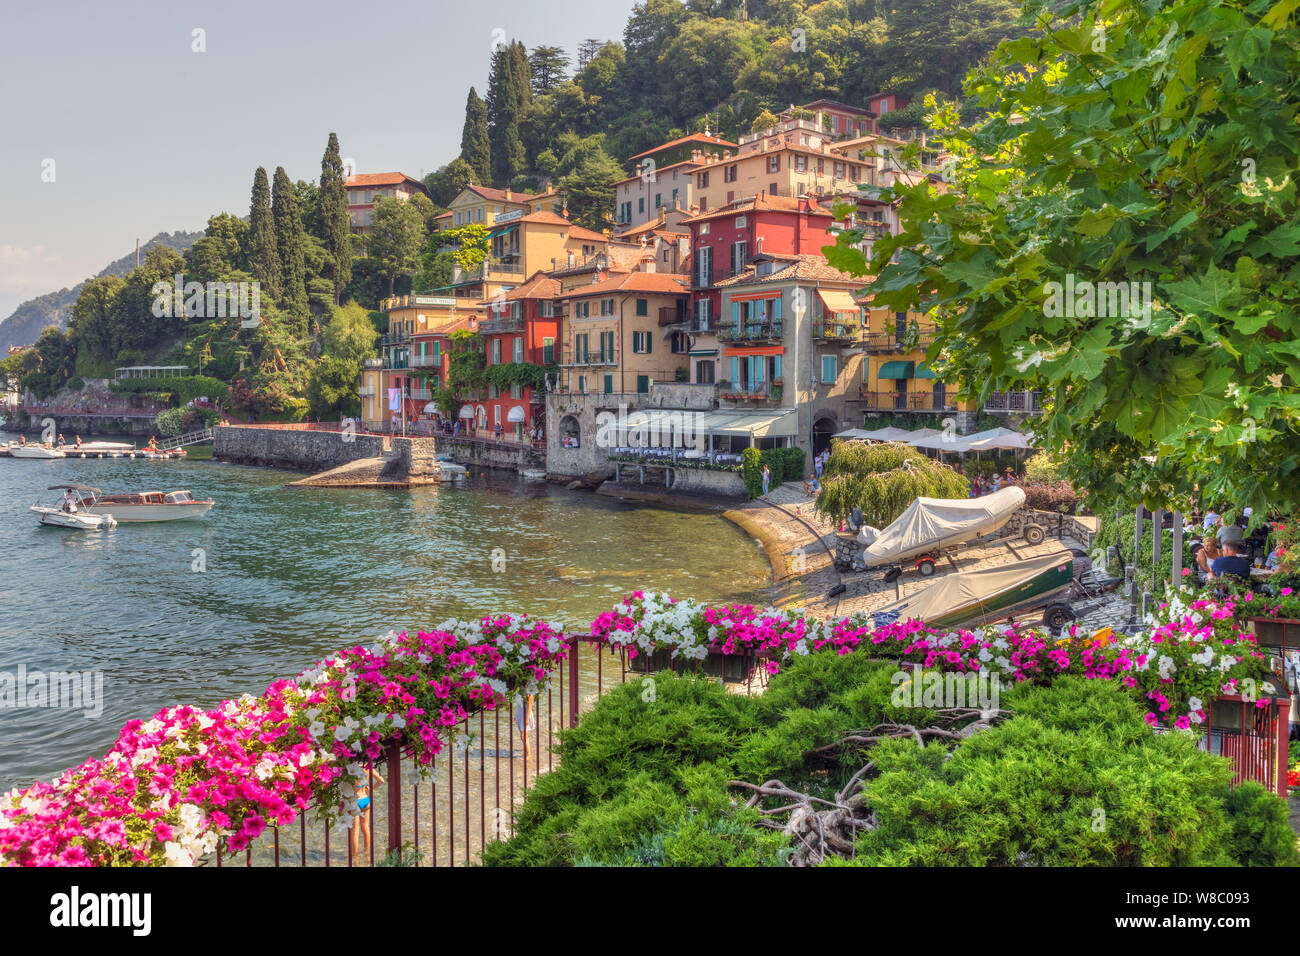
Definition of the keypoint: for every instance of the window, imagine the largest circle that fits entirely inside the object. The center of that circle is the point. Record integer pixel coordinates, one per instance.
(659, 200)
(702, 180)
(609, 384)
(640, 204)
(738, 257)
(828, 369)
(496, 352)
(704, 229)
(774, 164)
(773, 189)
(741, 222)
(704, 266)
(580, 350)
(704, 316)
(729, 174)
(492, 391)
(674, 194)
(548, 351)
(838, 170)
(853, 173)
(642, 384)
(548, 309)
(801, 164)
(681, 343)
(642, 306)
(704, 372)
(704, 204)
(516, 391)
(607, 346)
(821, 165)
(517, 351)
(582, 384)
(641, 342)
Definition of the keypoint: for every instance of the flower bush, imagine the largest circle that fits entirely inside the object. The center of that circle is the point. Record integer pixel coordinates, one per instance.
(175, 787)
(1192, 651)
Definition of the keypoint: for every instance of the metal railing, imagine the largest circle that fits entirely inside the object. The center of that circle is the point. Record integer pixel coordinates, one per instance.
(750, 331)
(1029, 402)
(836, 330)
(907, 402)
(471, 797)
(892, 342)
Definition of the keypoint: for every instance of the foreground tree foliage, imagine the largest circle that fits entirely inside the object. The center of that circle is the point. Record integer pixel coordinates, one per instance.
(661, 774)
(1149, 145)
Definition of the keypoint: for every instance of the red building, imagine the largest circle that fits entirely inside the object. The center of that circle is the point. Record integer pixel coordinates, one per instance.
(522, 326)
(724, 240)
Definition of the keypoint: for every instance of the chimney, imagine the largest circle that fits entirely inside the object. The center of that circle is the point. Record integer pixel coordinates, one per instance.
(508, 194)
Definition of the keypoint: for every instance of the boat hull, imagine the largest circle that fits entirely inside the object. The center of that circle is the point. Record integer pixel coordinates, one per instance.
(127, 513)
(34, 451)
(78, 521)
(971, 598)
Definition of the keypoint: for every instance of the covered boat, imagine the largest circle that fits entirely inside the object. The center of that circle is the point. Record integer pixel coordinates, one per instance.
(929, 525)
(990, 594)
(71, 513)
(149, 505)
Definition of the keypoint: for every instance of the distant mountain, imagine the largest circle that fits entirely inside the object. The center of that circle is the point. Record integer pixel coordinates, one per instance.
(54, 308)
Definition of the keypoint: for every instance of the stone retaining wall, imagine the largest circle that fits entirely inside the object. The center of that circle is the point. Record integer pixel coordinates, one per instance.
(469, 452)
(295, 449)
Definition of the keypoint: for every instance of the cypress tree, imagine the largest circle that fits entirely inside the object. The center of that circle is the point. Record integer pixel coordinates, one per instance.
(508, 89)
(335, 227)
(475, 148)
(289, 243)
(265, 258)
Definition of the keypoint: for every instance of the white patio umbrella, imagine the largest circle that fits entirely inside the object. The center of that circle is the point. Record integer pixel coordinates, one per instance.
(516, 414)
(1014, 441)
(467, 411)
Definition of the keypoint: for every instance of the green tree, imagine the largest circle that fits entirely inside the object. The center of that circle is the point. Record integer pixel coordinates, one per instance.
(289, 241)
(764, 121)
(223, 248)
(587, 173)
(1154, 152)
(265, 257)
(332, 389)
(508, 94)
(58, 355)
(475, 147)
(349, 334)
(91, 323)
(446, 182)
(547, 66)
(335, 224)
(395, 237)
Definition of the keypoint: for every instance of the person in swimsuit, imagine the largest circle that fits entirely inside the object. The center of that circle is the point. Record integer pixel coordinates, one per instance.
(361, 822)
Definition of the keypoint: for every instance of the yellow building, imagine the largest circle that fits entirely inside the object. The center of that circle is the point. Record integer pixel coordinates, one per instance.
(896, 378)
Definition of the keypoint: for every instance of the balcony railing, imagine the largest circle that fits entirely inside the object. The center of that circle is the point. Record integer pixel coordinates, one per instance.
(509, 266)
(878, 342)
(574, 359)
(840, 331)
(424, 361)
(750, 331)
(750, 392)
(420, 394)
(671, 316)
(504, 324)
(1026, 402)
(395, 338)
(907, 402)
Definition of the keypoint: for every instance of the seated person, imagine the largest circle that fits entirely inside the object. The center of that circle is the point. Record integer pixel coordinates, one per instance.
(1231, 563)
(1233, 533)
(1208, 554)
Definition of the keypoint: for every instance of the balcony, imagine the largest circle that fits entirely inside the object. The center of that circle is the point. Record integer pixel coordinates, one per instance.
(907, 402)
(573, 359)
(762, 331)
(752, 393)
(425, 361)
(420, 394)
(670, 316)
(878, 343)
(1025, 403)
(505, 323)
(395, 338)
(366, 391)
(512, 265)
(836, 331)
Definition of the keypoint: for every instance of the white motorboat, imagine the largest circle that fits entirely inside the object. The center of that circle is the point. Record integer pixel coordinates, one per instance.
(450, 471)
(147, 505)
(533, 474)
(929, 526)
(35, 451)
(71, 514)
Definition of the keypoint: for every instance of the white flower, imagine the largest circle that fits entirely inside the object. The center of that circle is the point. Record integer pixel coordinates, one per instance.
(177, 855)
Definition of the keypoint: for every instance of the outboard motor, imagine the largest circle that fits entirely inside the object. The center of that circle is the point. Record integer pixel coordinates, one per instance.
(855, 519)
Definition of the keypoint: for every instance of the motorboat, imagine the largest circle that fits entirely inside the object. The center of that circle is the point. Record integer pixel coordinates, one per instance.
(35, 451)
(450, 471)
(991, 594)
(930, 526)
(533, 474)
(71, 514)
(146, 505)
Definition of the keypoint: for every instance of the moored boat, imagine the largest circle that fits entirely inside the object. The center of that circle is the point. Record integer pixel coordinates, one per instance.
(72, 514)
(148, 505)
(35, 451)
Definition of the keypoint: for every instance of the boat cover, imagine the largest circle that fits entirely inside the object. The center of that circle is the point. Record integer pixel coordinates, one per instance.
(932, 523)
(968, 589)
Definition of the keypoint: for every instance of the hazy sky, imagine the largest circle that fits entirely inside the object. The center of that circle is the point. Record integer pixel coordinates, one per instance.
(147, 135)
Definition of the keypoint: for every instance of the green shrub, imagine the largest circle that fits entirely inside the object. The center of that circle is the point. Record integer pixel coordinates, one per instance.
(751, 468)
(1261, 833)
(170, 421)
(1042, 467)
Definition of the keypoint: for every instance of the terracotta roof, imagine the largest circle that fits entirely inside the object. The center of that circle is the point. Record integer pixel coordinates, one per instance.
(580, 232)
(443, 215)
(538, 286)
(499, 195)
(693, 138)
(837, 105)
(382, 179)
(762, 203)
(658, 170)
(456, 326)
(796, 267)
(652, 282)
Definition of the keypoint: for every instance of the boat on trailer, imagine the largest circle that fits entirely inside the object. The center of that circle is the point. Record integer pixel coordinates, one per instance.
(71, 514)
(149, 505)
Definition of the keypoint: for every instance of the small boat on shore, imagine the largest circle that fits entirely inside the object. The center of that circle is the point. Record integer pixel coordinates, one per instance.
(450, 471)
(146, 505)
(71, 513)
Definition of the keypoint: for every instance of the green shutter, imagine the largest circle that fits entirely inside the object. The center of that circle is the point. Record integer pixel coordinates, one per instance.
(642, 307)
(642, 384)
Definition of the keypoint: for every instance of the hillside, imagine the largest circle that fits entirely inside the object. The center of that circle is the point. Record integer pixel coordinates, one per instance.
(53, 308)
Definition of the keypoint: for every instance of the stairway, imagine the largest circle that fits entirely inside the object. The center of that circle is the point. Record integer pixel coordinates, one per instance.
(191, 438)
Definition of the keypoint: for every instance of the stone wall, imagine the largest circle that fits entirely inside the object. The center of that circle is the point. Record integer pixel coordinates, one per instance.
(487, 454)
(704, 481)
(296, 449)
(416, 457)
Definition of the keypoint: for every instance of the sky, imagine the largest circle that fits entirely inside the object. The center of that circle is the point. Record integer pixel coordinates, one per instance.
(113, 127)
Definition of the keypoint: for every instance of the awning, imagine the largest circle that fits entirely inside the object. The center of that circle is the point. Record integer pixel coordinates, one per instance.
(703, 352)
(779, 424)
(756, 350)
(467, 411)
(430, 408)
(837, 300)
(924, 371)
(682, 426)
(503, 230)
(897, 370)
(517, 414)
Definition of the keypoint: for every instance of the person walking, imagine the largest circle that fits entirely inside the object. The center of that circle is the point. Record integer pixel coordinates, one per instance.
(767, 480)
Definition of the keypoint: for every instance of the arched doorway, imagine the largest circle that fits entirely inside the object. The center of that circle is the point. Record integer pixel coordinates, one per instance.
(823, 429)
(570, 432)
